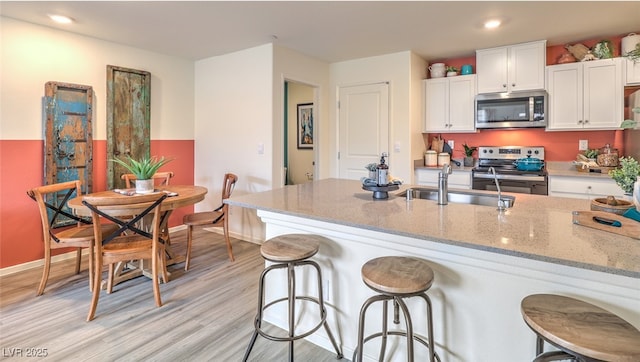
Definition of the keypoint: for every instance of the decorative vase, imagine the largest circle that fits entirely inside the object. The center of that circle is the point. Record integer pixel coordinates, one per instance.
(636, 193)
(144, 186)
(468, 161)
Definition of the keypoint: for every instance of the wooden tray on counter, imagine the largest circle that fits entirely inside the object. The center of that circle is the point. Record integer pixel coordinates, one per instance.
(629, 227)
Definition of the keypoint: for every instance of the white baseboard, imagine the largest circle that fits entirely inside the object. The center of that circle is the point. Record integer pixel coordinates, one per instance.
(72, 254)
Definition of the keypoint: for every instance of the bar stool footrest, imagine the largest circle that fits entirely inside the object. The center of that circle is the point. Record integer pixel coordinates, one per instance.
(395, 333)
(323, 318)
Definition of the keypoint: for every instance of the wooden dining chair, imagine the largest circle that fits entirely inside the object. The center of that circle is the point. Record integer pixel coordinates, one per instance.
(159, 178)
(137, 238)
(74, 231)
(215, 218)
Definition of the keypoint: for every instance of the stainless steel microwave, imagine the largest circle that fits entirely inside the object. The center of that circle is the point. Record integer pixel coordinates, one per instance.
(511, 110)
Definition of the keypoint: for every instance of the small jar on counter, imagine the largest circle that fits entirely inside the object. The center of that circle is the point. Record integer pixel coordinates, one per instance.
(443, 158)
(431, 158)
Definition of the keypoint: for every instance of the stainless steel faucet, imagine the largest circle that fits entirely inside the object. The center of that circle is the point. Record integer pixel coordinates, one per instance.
(501, 205)
(443, 184)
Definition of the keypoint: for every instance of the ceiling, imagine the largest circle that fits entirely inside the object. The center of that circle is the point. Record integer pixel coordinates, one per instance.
(332, 30)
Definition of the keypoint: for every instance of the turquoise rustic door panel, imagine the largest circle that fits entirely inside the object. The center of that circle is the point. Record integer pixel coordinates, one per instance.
(68, 151)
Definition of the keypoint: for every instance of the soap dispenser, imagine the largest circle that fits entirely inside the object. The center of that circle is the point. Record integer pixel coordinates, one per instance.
(382, 171)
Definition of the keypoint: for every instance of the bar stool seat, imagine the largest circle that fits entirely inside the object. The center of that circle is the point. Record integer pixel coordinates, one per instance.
(288, 252)
(582, 331)
(397, 278)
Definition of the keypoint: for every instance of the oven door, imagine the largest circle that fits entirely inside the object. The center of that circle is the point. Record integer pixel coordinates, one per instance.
(536, 185)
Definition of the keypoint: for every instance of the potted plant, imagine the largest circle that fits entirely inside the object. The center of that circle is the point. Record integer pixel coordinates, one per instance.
(372, 168)
(452, 71)
(468, 155)
(144, 169)
(591, 154)
(627, 174)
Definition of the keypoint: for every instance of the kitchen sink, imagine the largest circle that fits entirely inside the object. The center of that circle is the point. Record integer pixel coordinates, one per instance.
(460, 197)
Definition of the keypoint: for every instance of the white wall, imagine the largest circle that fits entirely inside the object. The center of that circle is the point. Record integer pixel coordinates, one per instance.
(33, 55)
(398, 70)
(233, 119)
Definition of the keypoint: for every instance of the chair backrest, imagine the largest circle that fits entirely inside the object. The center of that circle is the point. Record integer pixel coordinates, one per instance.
(159, 178)
(52, 204)
(118, 209)
(228, 185)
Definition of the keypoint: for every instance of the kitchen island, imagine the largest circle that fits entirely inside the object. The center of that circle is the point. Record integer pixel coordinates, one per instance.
(485, 261)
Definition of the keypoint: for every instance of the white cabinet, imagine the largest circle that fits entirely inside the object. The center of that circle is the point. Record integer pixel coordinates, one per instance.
(449, 104)
(458, 179)
(632, 74)
(585, 95)
(583, 187)
(511, 68)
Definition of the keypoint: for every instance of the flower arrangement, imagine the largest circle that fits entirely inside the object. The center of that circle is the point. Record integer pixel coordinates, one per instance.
(145, 168)
(627, 174)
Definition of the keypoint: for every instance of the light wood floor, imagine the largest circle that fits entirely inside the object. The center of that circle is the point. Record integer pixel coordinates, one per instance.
(207, 313)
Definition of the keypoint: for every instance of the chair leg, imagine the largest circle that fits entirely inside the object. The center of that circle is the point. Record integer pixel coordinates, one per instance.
(226, 238)
(154, 274)
(78, 259)
(45, 270)
(187, 259)
(97, 280)
(163, 266)
(91, 267)
(110, 278)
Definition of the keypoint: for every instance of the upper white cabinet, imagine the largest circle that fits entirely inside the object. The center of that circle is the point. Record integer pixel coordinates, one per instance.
(585, 95)
(449, 104)
(632, 76)
(511, 68)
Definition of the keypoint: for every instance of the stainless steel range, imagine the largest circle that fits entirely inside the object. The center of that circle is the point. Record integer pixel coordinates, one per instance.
(506, 173)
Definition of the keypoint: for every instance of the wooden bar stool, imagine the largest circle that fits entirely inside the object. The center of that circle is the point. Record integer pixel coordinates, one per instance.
(582, 331)
(397, 278)
(287, 252)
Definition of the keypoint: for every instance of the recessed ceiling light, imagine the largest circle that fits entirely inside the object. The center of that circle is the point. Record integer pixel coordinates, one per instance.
(61, 19)
(492, 24)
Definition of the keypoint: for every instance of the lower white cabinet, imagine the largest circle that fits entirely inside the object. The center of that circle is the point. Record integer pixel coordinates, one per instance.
(458, 179)
(583, 187)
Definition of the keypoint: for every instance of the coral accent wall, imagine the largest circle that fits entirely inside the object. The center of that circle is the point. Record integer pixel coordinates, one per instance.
(558, 146)
(20, 228)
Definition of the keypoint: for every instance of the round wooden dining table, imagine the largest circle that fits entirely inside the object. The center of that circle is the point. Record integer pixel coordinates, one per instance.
(179, 196)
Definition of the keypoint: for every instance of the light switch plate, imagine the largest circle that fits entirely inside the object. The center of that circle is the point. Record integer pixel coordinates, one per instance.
(583, 145)
(451, 143)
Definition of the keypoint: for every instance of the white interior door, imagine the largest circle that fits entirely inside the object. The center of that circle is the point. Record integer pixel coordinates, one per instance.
(363, 127)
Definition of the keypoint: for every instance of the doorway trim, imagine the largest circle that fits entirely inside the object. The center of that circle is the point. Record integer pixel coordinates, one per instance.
(318, 118)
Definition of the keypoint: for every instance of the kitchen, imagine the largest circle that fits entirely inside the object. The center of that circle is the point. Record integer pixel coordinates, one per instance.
(26, 44)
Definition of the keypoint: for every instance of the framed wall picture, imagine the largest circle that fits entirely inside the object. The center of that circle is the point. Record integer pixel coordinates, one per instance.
(305, 125)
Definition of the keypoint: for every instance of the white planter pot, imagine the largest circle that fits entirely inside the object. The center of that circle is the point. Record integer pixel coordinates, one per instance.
(144, 186)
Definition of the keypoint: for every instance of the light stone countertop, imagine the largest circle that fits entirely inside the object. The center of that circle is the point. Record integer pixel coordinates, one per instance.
(557, 168)
(537, 227)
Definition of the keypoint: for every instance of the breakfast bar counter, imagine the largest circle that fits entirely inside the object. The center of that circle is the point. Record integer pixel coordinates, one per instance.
(485, 260)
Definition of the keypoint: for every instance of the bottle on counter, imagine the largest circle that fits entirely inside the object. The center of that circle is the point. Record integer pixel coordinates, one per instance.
(382, 171)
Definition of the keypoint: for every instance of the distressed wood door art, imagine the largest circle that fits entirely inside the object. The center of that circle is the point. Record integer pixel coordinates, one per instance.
(68, 149)
(128, 119)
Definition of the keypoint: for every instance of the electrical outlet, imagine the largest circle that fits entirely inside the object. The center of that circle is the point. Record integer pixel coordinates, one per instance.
(583, 145)
(451, 143)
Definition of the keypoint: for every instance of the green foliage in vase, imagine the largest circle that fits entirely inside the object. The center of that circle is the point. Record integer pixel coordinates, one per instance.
(143, 169)
(626, 174)
(469, 150)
